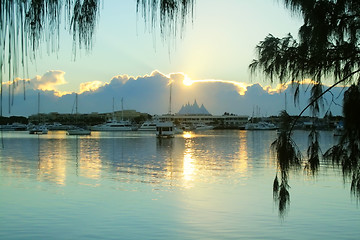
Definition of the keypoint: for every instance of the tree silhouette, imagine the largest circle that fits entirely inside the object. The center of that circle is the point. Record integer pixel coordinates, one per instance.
(327, 48)
(26, 25)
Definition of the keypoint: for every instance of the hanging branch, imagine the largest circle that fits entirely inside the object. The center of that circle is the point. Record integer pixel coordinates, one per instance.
(318, 97)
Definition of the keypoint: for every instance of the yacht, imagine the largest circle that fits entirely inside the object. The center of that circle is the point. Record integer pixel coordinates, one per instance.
(165, 130)
(202, 126)
(38, 129)
(57, 126)
(13, 127)
(260, 126)
(114, 125)
(77, 130)
(148, 126)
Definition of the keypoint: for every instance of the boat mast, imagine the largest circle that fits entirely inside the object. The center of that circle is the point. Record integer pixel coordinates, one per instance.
(76, 103)
(170, 99)
(76, 109)
(122, 109)
(113, 109)
(39, 108)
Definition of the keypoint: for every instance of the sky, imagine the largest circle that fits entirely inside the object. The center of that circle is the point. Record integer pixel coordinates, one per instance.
(130, 61)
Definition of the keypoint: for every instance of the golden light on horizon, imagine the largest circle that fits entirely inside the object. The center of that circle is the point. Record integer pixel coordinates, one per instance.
(188, 166)
(241, 87)
(189, 162)
(188, 134)
(52, 162)
(242, 165)
(90, 163)
(187, 81)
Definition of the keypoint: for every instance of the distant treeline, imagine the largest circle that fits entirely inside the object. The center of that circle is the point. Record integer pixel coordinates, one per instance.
(13, 119)
(66, 119)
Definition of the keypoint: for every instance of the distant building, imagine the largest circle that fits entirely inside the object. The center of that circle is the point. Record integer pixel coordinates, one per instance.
(193, 109)
(225, 121)
(193, 114)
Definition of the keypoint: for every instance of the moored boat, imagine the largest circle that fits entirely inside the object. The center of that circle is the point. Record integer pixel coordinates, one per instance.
(148, 126)
(202, 126)
(260, 126)
(165, 130)
(114, 125)
(14, 127)
(78, 131)
(38, 129)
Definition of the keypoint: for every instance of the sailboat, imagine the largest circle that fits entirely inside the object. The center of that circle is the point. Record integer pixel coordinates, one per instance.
(40, 128)
(261, 125)
(77, 130)
(113, 124)
(166, 129)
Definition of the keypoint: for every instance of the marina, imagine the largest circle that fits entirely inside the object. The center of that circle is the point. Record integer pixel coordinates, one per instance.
(214, 184)
(241, 120)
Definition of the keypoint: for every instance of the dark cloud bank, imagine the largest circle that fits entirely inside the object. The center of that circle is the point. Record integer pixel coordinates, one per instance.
(150, 94)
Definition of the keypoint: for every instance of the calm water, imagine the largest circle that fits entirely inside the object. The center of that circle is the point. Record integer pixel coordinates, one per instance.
(208, 185)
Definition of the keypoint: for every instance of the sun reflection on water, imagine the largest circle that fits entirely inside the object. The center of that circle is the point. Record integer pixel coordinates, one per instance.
(52, 161)
(90, 164)
(188, 165)
(187, 135)
(241, 165)
(189, 162)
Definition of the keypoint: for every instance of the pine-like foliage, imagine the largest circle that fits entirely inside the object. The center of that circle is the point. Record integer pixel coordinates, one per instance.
(327, 48)
(26, 25)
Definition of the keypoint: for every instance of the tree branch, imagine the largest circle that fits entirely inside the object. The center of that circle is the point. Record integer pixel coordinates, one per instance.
(318, 97)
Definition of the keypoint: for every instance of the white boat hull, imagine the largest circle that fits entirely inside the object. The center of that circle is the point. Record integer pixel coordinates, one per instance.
(39, 130)
(114, 126)
(105, 128)
(260, 126)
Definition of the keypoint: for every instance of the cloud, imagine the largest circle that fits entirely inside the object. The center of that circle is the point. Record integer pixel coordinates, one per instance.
(179, 77)
(151, 94)
(49, 81)
(90, 86)
(240, 86)
(121, 78)
(278, 89)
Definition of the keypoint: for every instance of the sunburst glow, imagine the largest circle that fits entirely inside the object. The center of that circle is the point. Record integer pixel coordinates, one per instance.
(241, 87)
(188, 135)
(187, 81)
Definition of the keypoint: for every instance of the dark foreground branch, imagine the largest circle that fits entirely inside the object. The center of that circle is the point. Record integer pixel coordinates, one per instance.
(318, 97)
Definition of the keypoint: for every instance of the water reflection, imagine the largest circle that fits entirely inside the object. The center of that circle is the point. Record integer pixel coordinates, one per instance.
(189, 162)
(132, 157)
(90, 164)
(210, 185)
(241, 164)
(52, 162)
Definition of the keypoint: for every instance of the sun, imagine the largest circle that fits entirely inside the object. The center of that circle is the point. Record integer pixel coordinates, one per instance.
(187, 81)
